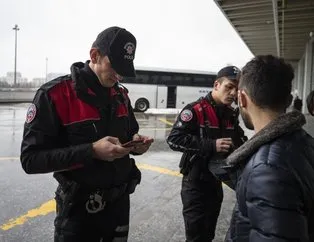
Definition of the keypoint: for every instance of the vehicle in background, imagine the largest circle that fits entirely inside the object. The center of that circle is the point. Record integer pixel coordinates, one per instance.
(166, 88)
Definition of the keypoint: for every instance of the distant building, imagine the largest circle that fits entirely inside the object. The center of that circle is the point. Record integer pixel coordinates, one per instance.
(53, 75)
(9, 78)
(38, 81)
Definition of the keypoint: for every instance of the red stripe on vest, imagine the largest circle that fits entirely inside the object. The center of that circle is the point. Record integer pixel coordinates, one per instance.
(70, 109)
(122, 109)
(210, 114)
(199, 113)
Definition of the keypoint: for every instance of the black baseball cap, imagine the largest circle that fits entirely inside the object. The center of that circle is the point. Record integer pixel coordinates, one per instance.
(119, 45)
(230, 72)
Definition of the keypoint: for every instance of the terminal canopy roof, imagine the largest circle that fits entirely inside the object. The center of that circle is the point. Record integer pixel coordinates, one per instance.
(281, 28)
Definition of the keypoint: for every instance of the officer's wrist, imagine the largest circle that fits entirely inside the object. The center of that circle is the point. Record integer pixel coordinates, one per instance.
(94, 151)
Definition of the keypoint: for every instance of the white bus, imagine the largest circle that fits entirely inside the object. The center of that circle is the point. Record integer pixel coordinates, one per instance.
(166, 88)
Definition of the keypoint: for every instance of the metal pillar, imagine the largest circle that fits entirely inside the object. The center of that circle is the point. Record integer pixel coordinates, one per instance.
(16, 28)
(307, 73)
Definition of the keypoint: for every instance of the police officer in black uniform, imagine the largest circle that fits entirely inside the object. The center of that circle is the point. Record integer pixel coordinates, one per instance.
(76, 128)
(206, 131)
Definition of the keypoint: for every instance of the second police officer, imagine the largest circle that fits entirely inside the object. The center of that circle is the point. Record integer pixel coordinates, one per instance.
(206, 130)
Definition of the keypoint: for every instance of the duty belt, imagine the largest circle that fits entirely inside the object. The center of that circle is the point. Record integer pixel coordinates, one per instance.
(108, 194)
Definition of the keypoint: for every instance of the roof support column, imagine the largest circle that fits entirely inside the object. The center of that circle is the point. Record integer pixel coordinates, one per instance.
(276, 25)
(300, 77)
(308, 65)
(295, 80)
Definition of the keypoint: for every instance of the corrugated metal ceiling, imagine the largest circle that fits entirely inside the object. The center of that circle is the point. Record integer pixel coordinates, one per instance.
(280, 28)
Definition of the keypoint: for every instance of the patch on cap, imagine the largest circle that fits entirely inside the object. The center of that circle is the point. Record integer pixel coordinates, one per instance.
(122, 53)
(129, 47)
(230, 72)
(31, 113)
(186, 115)
(236, 70)
(120, 47)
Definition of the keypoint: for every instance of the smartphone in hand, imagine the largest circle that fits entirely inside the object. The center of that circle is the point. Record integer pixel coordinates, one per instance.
(132, 143)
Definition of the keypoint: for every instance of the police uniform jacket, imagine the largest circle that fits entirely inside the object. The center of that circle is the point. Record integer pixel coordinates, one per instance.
(196, 130)
(67, 115)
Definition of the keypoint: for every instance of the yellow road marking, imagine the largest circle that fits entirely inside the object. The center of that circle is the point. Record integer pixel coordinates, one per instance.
(44, 209)
(50, 206)
(165, 121)
(158, 169)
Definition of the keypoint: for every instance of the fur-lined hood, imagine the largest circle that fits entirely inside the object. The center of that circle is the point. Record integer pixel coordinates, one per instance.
(285, 123)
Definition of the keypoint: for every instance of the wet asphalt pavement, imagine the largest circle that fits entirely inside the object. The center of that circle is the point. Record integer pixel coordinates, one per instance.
(27, 209)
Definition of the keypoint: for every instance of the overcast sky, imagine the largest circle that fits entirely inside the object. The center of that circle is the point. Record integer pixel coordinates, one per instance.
(177, 34)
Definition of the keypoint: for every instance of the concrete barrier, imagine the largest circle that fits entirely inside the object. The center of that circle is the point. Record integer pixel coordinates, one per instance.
(17, 95)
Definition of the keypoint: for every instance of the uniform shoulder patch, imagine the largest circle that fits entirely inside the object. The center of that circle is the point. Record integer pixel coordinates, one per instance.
(186, 115)
(31, 113)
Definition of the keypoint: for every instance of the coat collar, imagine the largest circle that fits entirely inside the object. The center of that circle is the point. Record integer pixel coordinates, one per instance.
(285, 123)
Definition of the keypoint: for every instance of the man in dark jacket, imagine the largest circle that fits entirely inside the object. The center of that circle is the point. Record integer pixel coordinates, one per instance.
(274, 170)
(297, 104)
(207, 129)
(76, 128)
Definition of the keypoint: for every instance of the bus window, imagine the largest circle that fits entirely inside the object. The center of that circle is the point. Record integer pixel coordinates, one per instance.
(129, 80)
(154, 79)
(210, 81)
(166, 80)
(178, 79)
(200, 81)
(142, 78)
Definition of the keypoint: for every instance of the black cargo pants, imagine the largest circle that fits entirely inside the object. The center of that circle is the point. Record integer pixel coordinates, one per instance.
(201, 207)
